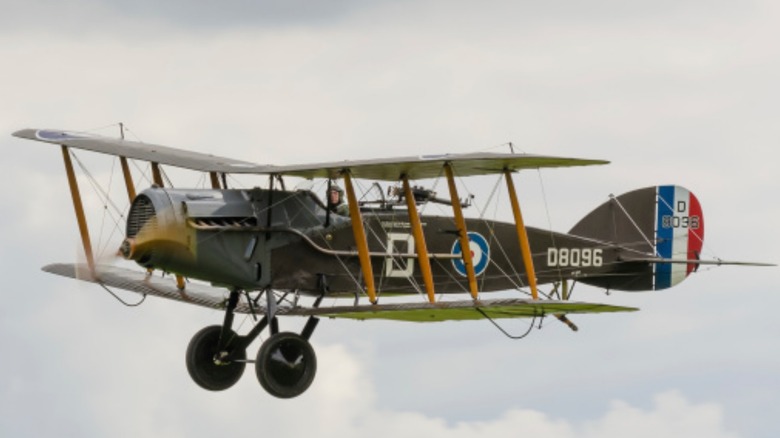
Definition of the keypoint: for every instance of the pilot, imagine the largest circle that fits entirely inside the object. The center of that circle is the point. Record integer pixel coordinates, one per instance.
(336, 202)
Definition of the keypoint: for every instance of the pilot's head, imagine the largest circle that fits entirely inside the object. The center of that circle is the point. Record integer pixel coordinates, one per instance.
(335, 195)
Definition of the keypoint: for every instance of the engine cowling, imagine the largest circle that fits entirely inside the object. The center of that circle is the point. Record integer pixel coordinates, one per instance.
(220, 236)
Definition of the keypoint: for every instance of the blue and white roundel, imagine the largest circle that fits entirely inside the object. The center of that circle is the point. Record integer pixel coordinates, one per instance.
(480, 254)
(49, 135)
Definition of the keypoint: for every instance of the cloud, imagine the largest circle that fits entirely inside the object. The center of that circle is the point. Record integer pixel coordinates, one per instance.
(672, 415)
(342, 403)
(89, 17)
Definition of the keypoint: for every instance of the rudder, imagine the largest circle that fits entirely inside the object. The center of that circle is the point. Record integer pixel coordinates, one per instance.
(679, 234)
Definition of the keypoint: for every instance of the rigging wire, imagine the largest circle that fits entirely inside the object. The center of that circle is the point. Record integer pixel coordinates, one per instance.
(143, 298)
(131, 132)
(516, 337)
(493, 192)
(549, 218)
(144, 172)
(165, 177)
(105, 207)
(616, 201)
(106, 201)
(100, 128)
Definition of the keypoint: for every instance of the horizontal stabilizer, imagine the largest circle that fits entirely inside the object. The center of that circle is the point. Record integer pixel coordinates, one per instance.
(698, 262)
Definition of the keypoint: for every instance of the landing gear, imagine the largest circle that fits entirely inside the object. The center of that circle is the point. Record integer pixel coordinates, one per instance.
(209, 365)
(286, 363)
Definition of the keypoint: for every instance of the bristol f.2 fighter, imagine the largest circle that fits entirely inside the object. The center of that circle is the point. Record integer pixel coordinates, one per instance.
(273, 252)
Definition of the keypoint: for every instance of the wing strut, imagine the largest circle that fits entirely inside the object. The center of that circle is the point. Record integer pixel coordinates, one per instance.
(462, 231)
(79, 207)
(156, 174)
(214, 180)
(522, 235)
(419, 240)
(128, 179)
(360, 238)
(125, 168)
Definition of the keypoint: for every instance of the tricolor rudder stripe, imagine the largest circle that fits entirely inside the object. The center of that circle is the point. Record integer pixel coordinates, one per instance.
(679, 234)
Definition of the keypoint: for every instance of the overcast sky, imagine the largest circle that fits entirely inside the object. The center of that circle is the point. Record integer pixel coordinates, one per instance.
(678, 92)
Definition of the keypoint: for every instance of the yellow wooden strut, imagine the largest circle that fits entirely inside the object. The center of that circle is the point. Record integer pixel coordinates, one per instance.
(360, 238)
(128, 178)
(180, 282)
(460, 223)
(79, 208)
(214, 180)
(419, 240)
(522, 235)
(157, 175)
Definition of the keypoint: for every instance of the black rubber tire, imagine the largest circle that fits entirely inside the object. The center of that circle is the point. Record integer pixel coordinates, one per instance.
(286, 365)
(200, 361)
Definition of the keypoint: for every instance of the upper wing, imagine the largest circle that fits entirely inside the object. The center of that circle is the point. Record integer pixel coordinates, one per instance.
(140, 151)
(430, 166)
(388, 169)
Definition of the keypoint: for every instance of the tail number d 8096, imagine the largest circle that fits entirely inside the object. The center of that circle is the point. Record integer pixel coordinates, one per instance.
(574, 257)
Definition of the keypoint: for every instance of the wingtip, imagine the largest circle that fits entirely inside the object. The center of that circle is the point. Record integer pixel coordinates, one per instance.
(25, 133)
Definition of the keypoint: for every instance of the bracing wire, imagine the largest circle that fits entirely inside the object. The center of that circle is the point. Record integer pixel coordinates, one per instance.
(631, 219)
(549, 218)
(105, 207)
(116, 216)
(516, 337)
(100, 128)
(143, 298)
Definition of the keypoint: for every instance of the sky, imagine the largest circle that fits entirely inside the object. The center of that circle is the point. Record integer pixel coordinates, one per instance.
(681, 92)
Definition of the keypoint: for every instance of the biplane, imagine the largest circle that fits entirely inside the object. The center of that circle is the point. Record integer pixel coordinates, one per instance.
(266, 251)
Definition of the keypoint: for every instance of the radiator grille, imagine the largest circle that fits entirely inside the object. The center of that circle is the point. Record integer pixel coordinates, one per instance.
(141, 212)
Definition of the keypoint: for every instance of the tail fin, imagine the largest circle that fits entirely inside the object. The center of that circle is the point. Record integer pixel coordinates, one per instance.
(663, 223)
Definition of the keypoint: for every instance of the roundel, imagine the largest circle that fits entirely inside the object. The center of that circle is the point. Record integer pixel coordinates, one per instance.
(480, 254)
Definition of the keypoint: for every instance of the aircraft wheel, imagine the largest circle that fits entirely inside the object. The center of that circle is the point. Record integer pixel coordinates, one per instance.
(286, 365)
(202, 366)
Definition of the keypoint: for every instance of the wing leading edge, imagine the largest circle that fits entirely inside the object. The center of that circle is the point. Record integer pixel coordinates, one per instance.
(386, 169)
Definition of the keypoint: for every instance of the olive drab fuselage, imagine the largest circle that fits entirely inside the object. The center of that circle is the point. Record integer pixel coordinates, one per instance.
(256, 239)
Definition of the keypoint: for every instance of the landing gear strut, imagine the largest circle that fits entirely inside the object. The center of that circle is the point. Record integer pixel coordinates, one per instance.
(285, 365)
